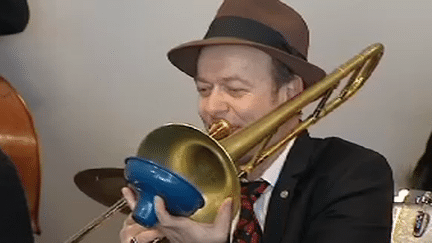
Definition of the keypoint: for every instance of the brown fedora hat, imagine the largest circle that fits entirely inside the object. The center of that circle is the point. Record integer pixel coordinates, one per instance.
(268, 25)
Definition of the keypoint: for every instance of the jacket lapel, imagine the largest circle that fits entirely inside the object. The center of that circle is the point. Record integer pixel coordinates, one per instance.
(297, 162)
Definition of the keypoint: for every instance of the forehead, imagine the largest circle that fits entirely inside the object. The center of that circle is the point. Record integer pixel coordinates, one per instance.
(224, 61)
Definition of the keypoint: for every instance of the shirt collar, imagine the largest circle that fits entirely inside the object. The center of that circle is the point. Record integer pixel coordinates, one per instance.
(272, 173)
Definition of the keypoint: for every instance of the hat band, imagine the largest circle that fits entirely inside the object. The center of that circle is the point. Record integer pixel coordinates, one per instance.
(251, 30)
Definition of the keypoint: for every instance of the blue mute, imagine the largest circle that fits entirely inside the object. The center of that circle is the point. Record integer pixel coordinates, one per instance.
(149, 180)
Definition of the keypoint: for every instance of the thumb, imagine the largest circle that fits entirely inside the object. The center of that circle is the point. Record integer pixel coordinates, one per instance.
(129, 196)
(223, 218)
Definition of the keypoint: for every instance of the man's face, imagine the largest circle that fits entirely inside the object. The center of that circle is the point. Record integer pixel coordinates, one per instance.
(235, 83)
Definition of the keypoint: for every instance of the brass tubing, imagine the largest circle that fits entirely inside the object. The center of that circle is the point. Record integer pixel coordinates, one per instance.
(119, 205)
(238, 144)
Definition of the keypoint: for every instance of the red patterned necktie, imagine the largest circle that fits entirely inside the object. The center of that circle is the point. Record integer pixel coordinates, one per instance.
(248, 229)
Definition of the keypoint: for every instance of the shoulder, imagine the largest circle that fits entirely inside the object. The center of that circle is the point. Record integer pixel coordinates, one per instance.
(6, 166)
(9, 179)
(339, 156)
(338, 147)
(343, 172)
(342, 176)
(14, 16)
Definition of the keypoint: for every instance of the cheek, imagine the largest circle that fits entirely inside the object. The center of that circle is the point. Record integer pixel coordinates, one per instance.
(250, 110)
(202, 111)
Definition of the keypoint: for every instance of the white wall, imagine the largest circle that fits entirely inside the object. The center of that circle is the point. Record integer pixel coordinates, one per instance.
(96, 77)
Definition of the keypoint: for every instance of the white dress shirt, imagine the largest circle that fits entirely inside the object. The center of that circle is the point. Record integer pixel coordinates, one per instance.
(270, 175)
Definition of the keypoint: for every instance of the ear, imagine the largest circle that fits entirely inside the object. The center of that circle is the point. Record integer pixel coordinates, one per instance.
(292, 88)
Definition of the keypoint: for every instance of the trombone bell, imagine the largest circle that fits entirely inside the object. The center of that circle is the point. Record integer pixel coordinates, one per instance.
(182, 151)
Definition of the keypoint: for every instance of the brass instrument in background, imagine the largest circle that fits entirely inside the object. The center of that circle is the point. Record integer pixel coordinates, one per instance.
(215, 174)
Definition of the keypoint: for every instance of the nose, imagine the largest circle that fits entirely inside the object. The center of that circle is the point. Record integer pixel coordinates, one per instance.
(216, 104)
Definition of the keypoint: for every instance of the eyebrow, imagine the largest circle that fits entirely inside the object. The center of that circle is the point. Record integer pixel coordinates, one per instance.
(226, 79)
(199, 79)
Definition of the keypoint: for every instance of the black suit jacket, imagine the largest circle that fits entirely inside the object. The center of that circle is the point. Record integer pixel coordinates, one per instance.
(14, 215)
(14, 16)
(337, 192)
(422, 174)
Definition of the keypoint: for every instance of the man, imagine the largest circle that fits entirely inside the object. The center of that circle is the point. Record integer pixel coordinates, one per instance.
(421, 178)
(14, 16)
(252, 59)
(15, 223)
(14, 214)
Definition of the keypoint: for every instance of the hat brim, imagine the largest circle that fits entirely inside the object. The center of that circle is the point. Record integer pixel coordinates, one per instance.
(185, 56)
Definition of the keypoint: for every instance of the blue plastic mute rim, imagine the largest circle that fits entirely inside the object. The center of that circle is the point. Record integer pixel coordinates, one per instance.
(181, 204)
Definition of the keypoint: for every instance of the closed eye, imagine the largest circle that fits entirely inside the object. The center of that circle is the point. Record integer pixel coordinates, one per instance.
(236, 92)
(203, 91)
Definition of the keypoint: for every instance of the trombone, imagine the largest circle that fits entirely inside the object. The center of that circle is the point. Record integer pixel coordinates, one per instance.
(224, 152)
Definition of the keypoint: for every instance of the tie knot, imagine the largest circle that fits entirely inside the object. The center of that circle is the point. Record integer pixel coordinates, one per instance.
(254, 189)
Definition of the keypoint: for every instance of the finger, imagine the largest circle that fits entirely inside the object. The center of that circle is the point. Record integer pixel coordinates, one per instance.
(129, 195)
(129, 221)
(140, 234)
(128, 231)
(162, 214)
(223, 218)
(149, 235)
